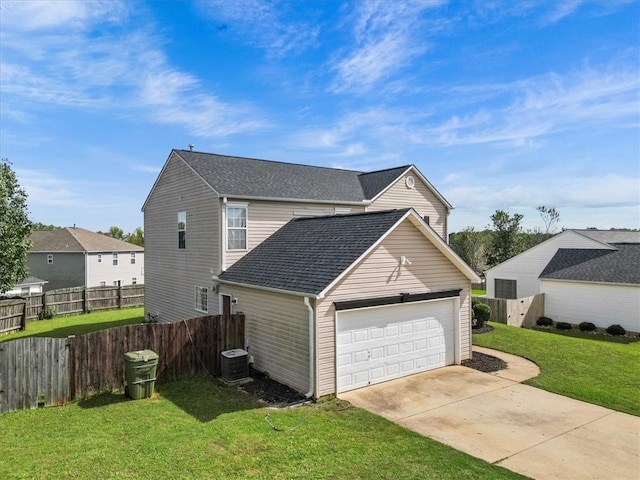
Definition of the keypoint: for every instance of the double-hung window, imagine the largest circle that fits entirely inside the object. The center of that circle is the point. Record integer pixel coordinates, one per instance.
(115, 259)
(202, 299)
(236, 227)
(133, 258)
(505, 288)
(182, 230)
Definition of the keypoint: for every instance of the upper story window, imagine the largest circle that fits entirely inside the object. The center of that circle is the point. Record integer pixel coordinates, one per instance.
(236, 227)
(50, 258)
(115, 258)
(134, 281)
(99, 258)
(133, 258)
(182, 230)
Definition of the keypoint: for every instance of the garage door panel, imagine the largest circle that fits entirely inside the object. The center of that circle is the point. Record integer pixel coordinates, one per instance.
(400, 340)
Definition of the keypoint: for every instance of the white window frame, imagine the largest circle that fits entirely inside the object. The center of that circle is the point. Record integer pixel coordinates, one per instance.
(182, 228)
(133, 258)
(199, 305)
(114, 260)
(103, 283)
(99, 258)
(49, 258)
(245, 228)
(134, 281)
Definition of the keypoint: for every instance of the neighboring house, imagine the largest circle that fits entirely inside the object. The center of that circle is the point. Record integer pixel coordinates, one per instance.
(28, 286)
(344, 277)
(586, 275)
(74, 257)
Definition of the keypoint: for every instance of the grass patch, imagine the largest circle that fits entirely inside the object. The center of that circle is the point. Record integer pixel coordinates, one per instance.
(478, 293)
(199, 428)
(598, 369)
(61, 327)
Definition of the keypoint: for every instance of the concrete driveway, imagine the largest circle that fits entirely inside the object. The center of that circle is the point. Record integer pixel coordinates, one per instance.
(522, 428)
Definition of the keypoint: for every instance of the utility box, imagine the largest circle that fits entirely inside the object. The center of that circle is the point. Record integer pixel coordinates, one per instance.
(235, 364)
(140, 373)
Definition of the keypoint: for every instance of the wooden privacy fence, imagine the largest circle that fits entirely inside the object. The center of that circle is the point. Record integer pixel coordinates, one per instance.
(519, 312)
(49, 371)
(67, 301)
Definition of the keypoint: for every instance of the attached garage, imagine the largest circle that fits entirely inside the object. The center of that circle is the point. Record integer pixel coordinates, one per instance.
(378, 295)
(381, 343)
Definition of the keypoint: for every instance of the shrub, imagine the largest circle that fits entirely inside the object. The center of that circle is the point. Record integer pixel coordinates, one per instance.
(563, 326)
(544, 322)
(587, 327)
(46, 314)
(616, 330)
(481, 313)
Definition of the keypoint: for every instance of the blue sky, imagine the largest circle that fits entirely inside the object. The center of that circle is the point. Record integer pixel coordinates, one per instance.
(501, 104)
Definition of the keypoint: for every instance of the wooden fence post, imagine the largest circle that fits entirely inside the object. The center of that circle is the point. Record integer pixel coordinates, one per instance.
(71, 351)
(23, 320)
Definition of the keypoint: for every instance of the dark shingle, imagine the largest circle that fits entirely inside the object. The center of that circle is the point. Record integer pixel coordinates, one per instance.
(621, 265)
(375, 182)
(307, 254)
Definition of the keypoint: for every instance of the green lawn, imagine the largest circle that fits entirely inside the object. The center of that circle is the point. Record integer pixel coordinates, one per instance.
(199, 428)
(598, 369)
(478, 293)
(60, 327)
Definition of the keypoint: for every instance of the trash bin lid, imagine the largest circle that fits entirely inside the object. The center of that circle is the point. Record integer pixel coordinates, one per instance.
(141, 356)
(236, 352)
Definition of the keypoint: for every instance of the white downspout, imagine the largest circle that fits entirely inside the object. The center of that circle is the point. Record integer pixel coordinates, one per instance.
(223, 237)
(312, 343)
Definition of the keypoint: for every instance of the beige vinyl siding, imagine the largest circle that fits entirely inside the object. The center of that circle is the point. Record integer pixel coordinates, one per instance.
(266, 217)
(420, 198)
(172, 274)
(380, 274)
(277, 333)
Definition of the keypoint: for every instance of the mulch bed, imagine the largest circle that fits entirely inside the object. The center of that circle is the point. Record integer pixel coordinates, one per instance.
(485, 363)
(269, 391)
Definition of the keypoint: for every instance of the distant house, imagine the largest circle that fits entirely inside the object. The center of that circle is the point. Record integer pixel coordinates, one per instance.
(28, 286)
(74, 257)
(344, 277)
(586, 276)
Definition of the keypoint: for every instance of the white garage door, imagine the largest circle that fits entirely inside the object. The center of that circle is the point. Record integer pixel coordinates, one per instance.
(377, 344)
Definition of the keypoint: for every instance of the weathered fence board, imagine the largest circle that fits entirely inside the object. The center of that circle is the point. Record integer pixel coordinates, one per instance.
(33, 372)
(519, 312)
(12, 315)
(51, 371)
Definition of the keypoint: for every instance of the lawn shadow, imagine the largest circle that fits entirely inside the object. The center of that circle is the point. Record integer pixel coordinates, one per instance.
(102, 399)
(591, 336)
(206, 398)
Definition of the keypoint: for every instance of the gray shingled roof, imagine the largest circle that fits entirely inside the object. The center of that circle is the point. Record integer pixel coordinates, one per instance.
(71, 239)
(596, 265)
(611, 236)
(248, 177)
(307, 254)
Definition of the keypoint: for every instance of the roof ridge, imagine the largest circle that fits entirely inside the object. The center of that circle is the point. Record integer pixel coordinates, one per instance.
(388, 169)
(355, 214)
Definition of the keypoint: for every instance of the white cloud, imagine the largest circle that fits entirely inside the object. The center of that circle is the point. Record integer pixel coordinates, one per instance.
(44, 188)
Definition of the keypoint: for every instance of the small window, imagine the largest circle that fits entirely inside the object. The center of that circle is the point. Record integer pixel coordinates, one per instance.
(50, 258)
(182, 230)
(103, 283)
(202, 299)
(133, 258)
(24, 291)
(115, 259)
(134, 281)
(505, 288)
(426, 219)
(99, 258)
(236, 227)
(116, 283)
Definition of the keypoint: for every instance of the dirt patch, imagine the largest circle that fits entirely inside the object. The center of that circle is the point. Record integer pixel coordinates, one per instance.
(485, 363)
(269, 391)
(484, 329)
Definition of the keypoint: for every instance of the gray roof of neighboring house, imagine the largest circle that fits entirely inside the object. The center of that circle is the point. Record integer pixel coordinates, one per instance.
(307, 254)
(621, 265)
(611, 236)
(31, 281)
(78, 240)
(248, 177)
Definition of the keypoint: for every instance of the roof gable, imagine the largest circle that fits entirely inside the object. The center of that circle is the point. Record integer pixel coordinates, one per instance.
(621, 265)
(79, 240)
(309, 255)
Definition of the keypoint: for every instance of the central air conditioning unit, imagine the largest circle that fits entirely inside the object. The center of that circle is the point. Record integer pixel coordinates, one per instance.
(234, 364)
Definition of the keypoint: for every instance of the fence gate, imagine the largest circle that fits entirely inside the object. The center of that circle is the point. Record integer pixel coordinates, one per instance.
(34, 372)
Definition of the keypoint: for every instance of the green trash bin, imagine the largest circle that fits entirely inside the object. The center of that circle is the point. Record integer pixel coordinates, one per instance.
(140, 373)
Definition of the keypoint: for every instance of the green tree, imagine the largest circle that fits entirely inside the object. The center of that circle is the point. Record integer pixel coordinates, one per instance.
(505, 240)
(115, 232)
(15, 228)
(137, 237)
(469, 244)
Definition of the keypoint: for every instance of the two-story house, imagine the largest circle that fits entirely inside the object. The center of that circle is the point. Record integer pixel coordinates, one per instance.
(344, 277)
(75, 257)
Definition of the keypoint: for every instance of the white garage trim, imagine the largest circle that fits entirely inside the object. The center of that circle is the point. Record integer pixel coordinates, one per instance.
(380, 343)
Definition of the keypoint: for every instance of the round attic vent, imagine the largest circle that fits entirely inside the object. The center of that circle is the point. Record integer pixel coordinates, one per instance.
(410, 181)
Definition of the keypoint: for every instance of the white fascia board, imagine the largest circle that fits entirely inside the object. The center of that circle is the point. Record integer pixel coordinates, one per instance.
(443, 247)
(590, 282)
(429, 185)
(267, 289)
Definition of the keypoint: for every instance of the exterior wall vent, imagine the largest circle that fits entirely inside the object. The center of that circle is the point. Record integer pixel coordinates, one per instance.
(234, 364)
